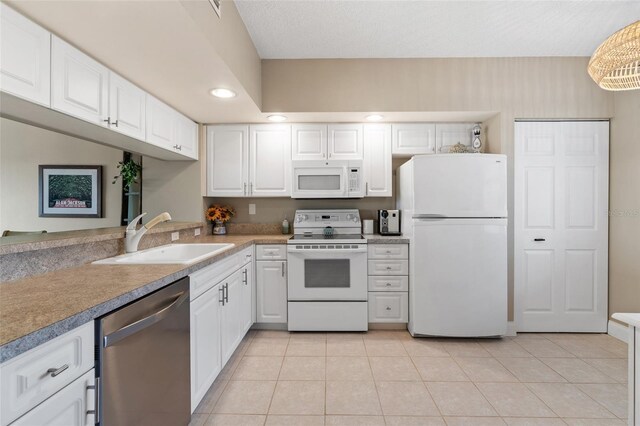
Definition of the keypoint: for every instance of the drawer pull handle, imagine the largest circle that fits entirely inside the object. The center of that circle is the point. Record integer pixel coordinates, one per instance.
(388, 268)
(388, 251)
(388, 308)
(388, 284)
(53, 372)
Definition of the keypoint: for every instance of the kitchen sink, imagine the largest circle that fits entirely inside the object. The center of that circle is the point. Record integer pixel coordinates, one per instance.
(184, 254)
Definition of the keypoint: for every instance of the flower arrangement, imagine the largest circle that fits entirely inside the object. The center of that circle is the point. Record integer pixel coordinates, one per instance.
(220, 213)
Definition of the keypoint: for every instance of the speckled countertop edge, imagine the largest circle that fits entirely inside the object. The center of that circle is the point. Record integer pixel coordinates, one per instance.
(29, 340)
(385, 239)
(24, 243)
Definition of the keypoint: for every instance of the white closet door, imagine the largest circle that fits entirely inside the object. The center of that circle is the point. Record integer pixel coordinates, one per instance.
(561, 226)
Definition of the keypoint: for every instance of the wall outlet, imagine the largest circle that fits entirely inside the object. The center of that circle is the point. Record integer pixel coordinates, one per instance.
(252, 209)
(175, 236)
(196, 232)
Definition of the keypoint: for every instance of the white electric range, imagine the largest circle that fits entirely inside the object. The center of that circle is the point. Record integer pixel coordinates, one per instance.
(327, 275)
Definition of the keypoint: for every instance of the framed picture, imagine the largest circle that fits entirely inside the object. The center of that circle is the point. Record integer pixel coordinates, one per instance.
(216, 6)
(70, 191)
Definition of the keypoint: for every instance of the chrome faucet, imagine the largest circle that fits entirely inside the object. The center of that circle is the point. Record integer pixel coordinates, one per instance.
(133, 235)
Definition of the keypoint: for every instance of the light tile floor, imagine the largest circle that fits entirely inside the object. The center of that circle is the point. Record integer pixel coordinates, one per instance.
(389, 378)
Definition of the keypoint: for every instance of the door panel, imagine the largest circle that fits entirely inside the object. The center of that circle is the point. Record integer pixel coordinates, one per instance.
(79, 84)
(271, 288)
(413, 138)
(377, 154)
(561, 203)
(227, 155)
(25, 48)
(270, 162)
(127, 107)
(448, 135)
(345, 141)
(309, 142)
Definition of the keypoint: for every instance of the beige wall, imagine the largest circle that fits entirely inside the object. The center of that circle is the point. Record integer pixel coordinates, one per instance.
(624, 199)
(22, 149)
(514, 87)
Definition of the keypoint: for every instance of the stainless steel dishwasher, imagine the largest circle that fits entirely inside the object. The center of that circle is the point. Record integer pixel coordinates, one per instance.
(144, 359)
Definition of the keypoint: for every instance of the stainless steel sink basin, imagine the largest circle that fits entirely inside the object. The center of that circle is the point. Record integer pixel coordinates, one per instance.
(169, 254)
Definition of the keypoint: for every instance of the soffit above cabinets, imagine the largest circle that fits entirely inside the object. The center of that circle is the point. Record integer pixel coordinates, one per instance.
(432, 29)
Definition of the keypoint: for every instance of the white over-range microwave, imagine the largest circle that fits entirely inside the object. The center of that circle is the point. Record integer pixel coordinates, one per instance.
(327, 179)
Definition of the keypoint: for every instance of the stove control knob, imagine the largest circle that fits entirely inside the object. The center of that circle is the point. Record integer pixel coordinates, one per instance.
(301, 217)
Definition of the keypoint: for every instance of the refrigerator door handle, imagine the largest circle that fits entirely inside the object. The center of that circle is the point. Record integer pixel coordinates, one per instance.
(430, 216)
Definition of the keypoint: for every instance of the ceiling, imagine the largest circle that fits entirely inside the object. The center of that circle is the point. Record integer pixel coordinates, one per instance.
(296, 29)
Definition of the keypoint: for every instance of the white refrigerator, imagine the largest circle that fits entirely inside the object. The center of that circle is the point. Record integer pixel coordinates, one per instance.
(454, 210)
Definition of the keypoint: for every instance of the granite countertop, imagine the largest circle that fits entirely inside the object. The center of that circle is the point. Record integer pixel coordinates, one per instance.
(29, 242)
(386, 239)
(633, 319)
(36, 309)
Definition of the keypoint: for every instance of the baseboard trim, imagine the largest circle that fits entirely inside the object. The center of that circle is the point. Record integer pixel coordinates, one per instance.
(617, 330)
(511, 328)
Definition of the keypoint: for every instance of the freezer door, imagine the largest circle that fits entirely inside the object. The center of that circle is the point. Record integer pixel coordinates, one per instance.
(460, 185)
(458, 284)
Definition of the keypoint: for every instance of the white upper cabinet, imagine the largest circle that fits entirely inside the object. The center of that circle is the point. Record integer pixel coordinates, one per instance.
(187, 137)
(413, 138)
(25, 57)
(79, 84)
(270, 160)
(450, 134)
(162, 122)
(309, 142)
(127, 105)
(345, 141)
(377, 160)
(227, 160)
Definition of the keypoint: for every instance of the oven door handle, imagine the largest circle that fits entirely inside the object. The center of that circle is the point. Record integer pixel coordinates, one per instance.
(337, 252)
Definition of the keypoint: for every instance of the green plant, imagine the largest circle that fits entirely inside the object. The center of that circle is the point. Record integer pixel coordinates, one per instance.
(129, 171)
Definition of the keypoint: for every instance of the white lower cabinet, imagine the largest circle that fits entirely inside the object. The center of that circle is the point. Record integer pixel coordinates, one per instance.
(221, 315)
(271, 288)
(72, 406)
(31, 378)
(388, 306)
(388, 283)
(206, 360)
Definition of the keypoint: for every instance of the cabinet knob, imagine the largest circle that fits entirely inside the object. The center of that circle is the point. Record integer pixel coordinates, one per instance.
(388, 284)
(388, 308)
(388, 268)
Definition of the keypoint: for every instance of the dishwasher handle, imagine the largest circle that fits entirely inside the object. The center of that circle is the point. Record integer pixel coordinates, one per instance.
(128, 330)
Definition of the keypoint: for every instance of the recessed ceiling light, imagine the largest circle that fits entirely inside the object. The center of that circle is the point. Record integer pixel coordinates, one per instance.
(374, 117)
(223, 93)
(276, 117)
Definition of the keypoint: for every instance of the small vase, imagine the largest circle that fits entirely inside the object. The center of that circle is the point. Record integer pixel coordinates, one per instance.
(219, 228)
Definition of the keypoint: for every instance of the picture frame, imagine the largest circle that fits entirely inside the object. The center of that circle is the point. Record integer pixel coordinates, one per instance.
(70, 191)
(216, 6)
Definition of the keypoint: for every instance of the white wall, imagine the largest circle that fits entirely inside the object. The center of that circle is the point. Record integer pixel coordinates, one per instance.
(22, 149)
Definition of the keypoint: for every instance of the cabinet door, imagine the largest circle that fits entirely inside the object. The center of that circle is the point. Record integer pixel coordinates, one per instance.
(231, 332)
(271, 289)
(388, 307)
(187, 137)
(227, 160)
(246, 311)
(413, 138)
(69, 407)
(127, 105)
(449, 134)
(79, 84)
(345, 141)
(205, 343)
(309, 142)
(377, 165)
(25, 49)
(161, 124)
(270, 160)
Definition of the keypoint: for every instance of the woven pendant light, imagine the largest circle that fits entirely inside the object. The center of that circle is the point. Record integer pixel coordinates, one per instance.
(615, 65)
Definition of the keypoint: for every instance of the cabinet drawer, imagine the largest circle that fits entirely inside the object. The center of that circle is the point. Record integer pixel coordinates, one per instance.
(72, 406)
(271, 252)
(384, 283)
(25, 379)
(209, 276)
(388, 307)
(388, 251)
(388, 267)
